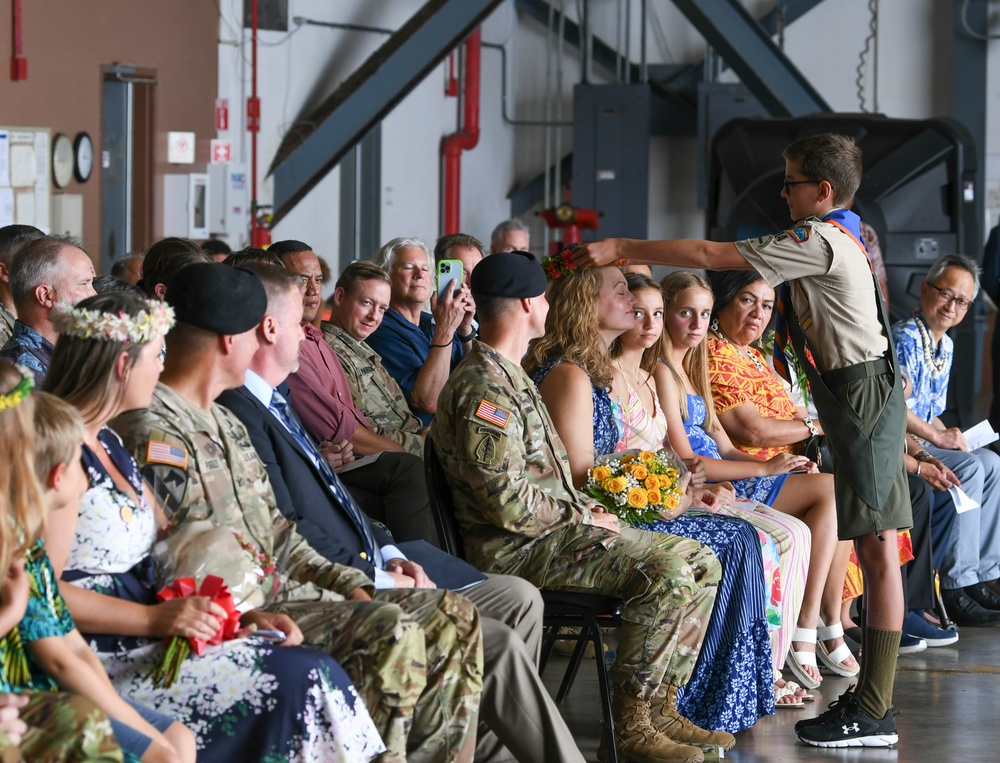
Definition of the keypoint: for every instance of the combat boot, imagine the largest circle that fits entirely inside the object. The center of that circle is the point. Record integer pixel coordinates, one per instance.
(639, 741)
(664, 715)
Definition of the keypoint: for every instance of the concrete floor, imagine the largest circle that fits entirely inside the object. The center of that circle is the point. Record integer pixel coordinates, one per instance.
(948, 701)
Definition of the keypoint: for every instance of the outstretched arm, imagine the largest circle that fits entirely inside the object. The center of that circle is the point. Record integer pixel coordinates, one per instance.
(683, 253)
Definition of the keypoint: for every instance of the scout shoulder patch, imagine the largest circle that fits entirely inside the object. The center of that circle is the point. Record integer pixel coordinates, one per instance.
(159, 452)
(493, 414)
(799, 235)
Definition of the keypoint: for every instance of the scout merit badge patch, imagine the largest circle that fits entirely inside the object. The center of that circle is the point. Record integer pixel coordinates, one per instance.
(159, 452)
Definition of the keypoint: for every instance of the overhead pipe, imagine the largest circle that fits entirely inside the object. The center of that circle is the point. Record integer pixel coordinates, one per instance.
(467, 136)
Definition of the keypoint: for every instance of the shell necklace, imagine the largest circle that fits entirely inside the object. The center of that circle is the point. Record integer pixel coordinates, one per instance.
(937, 366)
(748, 355)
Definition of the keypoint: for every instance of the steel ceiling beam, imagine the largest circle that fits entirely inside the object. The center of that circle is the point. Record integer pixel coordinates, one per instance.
(749, 50)
(307, 154)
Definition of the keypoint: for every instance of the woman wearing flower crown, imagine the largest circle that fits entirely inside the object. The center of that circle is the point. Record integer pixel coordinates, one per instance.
(244, 699)
(588, 310)
(687, 400)
(42, 725)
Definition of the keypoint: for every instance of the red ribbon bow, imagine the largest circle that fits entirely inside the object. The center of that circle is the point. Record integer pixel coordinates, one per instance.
(214, 588)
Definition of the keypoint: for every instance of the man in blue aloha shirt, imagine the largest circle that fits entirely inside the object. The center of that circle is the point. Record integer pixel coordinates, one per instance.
(971, 568)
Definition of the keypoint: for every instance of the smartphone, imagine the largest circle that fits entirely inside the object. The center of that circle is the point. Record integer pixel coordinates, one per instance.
(269, 635)
(449, 272)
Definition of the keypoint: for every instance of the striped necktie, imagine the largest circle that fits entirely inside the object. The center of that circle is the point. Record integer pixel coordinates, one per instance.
(283, 411)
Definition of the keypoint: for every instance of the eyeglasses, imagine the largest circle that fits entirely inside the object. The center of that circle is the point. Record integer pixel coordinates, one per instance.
(789, 183)
(947, 297)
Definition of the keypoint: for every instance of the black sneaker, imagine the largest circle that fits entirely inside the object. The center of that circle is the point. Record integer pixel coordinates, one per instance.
(845, 724)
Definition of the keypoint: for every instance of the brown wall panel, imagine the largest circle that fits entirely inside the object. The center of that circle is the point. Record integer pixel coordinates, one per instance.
(67, 42)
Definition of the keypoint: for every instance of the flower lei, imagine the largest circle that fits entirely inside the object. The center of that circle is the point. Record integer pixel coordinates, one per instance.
(16, 396)
(559, 265)
(935, 366)
(155, 321)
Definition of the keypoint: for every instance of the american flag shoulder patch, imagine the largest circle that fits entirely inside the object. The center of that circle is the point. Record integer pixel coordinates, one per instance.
(158, 452)
(494, 414)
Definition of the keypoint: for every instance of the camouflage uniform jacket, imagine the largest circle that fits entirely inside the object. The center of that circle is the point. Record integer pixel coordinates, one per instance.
(376, 393)
(6, 324)
(202, 466)
(508, 469)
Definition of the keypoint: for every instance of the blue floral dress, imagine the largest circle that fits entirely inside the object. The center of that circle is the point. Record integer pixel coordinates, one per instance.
(731, 686)
(244, 699)
(762, 489)
(607, 419)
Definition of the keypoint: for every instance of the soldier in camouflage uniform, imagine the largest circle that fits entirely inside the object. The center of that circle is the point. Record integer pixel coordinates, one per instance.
(521, 515)
(415, 657)
(359, 302)
(60, 727)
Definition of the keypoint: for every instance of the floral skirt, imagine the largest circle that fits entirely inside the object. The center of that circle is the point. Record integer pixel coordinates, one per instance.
(732, 684)
(245, 699)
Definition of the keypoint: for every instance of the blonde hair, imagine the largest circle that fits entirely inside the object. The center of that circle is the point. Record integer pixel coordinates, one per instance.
(22, 509)
(58, 433)
(696, 358)
(572, 327)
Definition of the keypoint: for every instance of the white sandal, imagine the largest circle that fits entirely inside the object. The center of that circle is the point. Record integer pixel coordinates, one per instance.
(834, 661)
(798, 661)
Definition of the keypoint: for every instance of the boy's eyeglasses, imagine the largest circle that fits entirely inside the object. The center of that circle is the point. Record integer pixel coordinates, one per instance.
(789, 183)
(947, 297)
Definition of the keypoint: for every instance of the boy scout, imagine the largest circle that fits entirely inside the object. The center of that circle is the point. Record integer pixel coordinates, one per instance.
(833, 307)
(521, 515)
(415, 656)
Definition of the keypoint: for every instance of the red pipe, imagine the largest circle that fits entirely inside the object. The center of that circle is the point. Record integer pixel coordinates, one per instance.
(253, 126)
(466, 138)
(18, 63)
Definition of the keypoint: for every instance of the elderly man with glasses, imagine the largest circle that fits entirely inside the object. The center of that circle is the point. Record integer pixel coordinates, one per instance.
(971, 559)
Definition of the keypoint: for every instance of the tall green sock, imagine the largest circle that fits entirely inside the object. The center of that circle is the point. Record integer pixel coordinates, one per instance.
(863, 659)
(878, 670)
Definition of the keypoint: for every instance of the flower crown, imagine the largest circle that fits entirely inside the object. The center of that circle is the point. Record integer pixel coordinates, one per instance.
(16, 396)
(559, 265)
(156, 320)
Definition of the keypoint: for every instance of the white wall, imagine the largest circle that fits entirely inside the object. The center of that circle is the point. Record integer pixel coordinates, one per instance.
(914, 81)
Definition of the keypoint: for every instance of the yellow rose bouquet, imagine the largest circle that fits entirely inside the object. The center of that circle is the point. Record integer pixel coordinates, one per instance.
(637, 485)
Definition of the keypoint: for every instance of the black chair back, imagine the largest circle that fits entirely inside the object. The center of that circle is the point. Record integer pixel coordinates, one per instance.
(442, 502)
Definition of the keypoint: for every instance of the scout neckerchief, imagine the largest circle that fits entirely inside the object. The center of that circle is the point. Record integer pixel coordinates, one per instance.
(850, 224)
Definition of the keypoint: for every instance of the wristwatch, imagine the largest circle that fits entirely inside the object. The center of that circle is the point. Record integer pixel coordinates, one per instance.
(924, 456)
(467, 337)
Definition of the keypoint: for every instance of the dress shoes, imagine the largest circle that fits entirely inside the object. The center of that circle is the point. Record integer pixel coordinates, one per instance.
(993, 585)
(966, 611)
(983, 596)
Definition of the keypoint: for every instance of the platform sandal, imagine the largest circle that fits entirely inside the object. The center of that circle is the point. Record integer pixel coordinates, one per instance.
(834, 661)
(798, 661)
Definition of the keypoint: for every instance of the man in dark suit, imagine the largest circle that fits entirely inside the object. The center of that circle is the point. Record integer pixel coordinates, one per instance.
(515, 704)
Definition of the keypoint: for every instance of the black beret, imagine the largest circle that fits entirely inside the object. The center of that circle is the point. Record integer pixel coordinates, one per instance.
(508, 274)
(217, 297)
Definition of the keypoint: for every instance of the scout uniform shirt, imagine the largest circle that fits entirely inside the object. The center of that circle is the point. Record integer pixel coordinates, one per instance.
(202, 465)
(375, 392)
(495, 437)
(832, 290)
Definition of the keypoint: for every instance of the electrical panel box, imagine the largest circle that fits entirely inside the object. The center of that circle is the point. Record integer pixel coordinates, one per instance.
(186, 201)
(230, 200)
(67, 214)
(611, 157)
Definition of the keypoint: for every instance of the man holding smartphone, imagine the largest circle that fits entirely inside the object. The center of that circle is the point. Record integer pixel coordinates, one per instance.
(420, 348)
